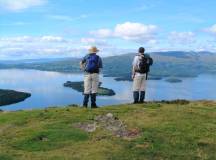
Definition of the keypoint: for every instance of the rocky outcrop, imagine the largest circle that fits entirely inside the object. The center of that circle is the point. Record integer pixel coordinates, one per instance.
(109, 123)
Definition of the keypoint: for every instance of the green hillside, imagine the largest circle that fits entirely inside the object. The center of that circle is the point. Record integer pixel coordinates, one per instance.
(169, 130)
(172, 64)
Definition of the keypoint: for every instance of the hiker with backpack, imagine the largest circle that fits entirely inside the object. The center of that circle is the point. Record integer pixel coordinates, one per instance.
(141, 65)
(91, 64)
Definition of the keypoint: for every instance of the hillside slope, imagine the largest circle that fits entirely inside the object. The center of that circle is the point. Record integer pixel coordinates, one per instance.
(150, 131)
(172, 63)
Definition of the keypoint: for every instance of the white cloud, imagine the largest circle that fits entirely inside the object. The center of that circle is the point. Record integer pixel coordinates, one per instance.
(206, 46)
(88, 40)
(29, 39)
(102, 33)
(53, 39)
(67, 18)
(152, 42)
(181, 37)
(211, 30)
(17, 5)
(35, 47)
(96, 42)
(24, 47)
(137, 32)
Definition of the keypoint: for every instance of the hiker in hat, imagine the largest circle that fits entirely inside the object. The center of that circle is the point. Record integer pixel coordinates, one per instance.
(140, 69)
(91, 64)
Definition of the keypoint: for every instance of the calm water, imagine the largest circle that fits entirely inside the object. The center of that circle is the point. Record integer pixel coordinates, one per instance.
(47, 89)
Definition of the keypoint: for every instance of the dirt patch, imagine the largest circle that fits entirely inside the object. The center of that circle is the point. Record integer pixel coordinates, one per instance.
(111, 124)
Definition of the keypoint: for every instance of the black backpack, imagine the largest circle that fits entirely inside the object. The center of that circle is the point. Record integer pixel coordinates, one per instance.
(143, 66)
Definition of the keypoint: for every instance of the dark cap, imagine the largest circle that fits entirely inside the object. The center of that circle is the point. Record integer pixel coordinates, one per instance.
(141, 50)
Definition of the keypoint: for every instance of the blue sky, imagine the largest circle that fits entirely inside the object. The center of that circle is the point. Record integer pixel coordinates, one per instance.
(61, 28)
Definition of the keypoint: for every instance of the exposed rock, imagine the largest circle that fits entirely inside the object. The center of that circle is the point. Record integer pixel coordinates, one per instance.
(88, 127)
(109, 115)
(110, 123)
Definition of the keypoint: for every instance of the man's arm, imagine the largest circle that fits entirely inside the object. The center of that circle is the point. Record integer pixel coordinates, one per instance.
(82, 63)
(133, 72)
(134, 67)
(100, 64)
(150, 61)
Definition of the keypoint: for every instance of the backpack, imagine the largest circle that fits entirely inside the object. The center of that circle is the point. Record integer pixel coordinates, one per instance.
(143, 65)
(92, 65)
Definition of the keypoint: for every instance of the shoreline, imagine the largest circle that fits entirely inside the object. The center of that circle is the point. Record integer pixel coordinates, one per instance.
(175, 101)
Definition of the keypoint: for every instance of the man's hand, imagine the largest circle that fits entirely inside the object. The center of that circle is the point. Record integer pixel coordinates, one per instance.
(81, 66)
(132, 76)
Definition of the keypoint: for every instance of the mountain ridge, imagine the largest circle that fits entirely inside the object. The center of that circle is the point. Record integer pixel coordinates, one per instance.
(172, 64)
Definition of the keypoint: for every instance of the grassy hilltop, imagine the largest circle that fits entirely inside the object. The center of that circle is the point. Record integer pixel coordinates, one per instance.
(150, 131)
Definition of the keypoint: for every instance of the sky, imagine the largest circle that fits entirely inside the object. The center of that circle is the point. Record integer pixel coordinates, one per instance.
(32, 29)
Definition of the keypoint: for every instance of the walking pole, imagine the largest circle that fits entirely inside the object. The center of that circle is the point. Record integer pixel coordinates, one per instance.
(147, 76)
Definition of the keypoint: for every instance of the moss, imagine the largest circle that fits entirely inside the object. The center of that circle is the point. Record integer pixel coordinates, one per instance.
(5, 157)
(50, 139)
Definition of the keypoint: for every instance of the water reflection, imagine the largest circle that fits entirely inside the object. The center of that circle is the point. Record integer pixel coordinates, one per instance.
(47, 89)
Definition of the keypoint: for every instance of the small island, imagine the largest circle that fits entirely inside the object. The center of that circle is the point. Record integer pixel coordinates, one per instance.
(173, 80)
(8, 97)
(78, 86)
(123, 79)
(156, 78)
(128, 78)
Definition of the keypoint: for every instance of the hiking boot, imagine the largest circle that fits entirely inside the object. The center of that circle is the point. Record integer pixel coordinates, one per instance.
(93, 100)
(136, 97)
(141, 102)
(85, 106)
(85, 100)
(142, 97)
(94, 106)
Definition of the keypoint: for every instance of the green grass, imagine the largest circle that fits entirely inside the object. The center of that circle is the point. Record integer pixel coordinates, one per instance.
(167, 131)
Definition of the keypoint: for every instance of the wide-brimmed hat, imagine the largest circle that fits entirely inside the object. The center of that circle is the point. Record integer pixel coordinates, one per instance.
(93, 49)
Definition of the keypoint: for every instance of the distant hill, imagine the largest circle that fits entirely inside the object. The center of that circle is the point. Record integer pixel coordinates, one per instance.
(43, 60)
(171, 63)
